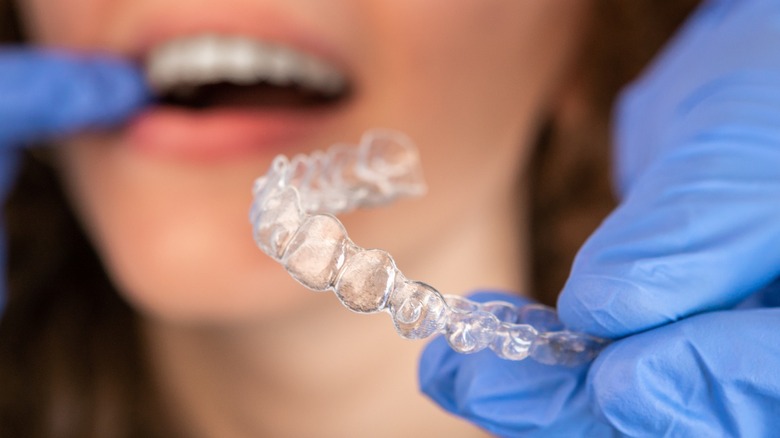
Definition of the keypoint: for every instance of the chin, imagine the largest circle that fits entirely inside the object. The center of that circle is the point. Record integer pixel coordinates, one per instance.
(211, 300)
(204, 272)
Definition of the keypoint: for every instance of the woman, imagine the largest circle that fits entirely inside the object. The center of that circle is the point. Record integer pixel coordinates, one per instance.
(215, 339)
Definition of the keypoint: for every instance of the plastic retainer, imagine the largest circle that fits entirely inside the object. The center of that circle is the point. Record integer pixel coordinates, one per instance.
(293, 222)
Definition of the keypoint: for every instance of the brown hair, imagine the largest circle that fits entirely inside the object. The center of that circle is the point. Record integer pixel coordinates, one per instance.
(72, 363)
(71, 357)
(570, 176)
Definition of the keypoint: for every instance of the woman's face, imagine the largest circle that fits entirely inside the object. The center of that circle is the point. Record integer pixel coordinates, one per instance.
(165, 199)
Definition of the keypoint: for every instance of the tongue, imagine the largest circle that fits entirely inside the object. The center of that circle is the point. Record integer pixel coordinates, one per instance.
(242, 96)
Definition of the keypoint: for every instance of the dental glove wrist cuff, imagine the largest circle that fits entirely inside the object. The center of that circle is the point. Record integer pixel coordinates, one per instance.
(293, 223)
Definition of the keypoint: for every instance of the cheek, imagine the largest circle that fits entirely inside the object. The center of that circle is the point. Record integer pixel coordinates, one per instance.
(176, 240)
(468, 80)
(72, 23)
(472, 64)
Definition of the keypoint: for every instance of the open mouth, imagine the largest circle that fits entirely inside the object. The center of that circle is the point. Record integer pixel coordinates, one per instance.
(211, 71)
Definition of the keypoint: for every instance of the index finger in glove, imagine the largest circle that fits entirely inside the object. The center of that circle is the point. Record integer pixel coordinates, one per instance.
(699, 227)
(724, 44)
(46, 93)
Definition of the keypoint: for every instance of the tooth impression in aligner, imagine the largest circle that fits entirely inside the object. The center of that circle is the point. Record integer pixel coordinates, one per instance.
(293, 223)
(315, 253)
(366, 281)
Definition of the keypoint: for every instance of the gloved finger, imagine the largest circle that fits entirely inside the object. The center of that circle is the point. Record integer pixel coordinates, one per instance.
(709, 375)
(693, 236)
(699, 227)
(508, 398)
(724, 42)
(48, 93)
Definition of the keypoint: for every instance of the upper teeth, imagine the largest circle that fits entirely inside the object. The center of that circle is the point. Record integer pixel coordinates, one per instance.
(206, 59)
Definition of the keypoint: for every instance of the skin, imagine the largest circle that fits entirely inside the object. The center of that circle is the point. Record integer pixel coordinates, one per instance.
(240, 349)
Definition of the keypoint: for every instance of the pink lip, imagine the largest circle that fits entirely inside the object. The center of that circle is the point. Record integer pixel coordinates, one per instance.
(219, 134)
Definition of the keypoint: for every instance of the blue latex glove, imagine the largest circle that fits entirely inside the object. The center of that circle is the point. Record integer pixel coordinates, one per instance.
(509, 398)
(47, 94)
(697, 232)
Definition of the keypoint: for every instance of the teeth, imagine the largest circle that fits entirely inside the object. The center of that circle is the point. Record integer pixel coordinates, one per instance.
(190, 62)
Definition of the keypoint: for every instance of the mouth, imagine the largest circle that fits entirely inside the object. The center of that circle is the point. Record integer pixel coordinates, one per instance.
(213, 71)
(220, 96)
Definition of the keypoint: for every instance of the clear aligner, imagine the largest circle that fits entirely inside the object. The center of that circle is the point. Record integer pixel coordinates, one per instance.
(293, 222)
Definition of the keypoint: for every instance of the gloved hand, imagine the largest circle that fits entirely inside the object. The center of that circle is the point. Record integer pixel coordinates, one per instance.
(696, 233)
(47, 94)
(509, 398)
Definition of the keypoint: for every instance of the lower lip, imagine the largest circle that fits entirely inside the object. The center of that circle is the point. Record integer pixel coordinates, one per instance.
(222, 134)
